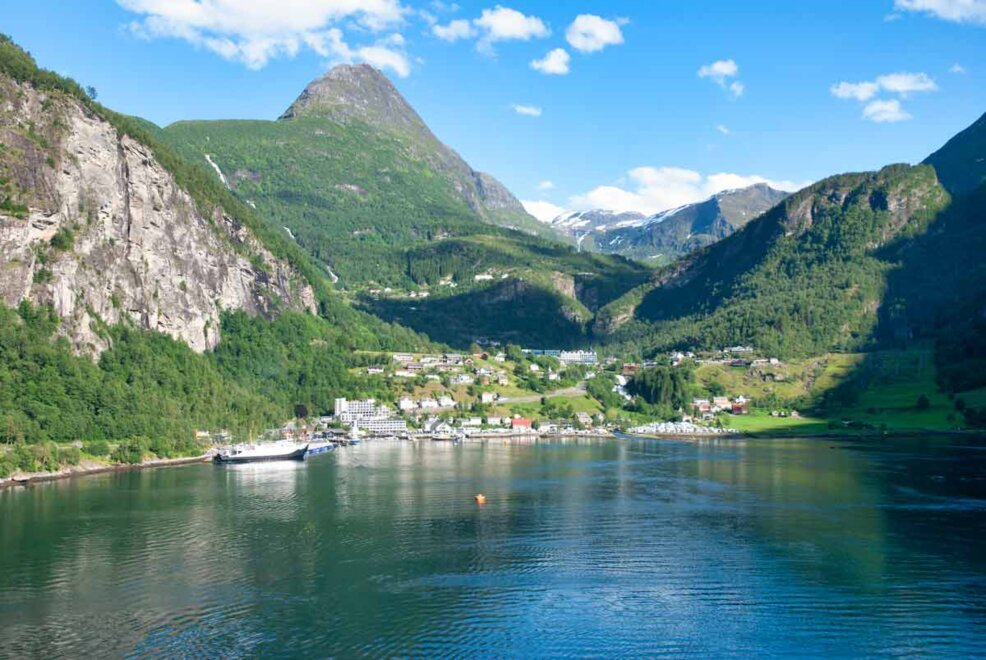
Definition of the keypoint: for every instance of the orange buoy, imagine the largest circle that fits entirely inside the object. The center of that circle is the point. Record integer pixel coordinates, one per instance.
(480, 499)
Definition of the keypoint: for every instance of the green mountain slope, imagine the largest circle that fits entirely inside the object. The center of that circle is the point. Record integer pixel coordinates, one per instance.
(807, 277)
(352, 173)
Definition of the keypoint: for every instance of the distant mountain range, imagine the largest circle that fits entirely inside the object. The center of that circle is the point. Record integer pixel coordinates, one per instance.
(670, 234)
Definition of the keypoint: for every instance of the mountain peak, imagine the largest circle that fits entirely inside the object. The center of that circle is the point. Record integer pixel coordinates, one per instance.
(357, 92)
(961, 163)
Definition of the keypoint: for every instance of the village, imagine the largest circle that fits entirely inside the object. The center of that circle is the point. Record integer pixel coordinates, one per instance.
(526, 393)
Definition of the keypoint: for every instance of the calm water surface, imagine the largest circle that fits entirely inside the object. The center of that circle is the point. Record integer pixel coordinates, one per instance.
(802, 547)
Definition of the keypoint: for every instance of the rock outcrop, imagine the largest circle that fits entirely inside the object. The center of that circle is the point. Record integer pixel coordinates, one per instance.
(94, 225)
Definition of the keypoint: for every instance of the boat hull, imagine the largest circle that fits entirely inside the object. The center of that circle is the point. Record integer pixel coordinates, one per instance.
(296, 455)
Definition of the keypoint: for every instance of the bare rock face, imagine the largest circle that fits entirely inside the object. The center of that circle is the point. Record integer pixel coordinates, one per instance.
(103, 233)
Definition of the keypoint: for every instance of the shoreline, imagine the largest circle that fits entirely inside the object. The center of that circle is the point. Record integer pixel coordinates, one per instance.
(33, 478)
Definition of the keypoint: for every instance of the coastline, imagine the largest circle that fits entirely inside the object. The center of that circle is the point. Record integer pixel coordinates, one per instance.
(85, 470)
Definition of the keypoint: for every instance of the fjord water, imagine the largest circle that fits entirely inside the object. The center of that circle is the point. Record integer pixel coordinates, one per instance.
(627, 547)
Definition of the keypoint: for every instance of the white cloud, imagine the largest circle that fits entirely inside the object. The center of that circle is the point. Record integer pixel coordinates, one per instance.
(956, 68)
(505, 24)
(959, 11)
(454, 31)
(254, 31)
(526, 110)
(387, 53)
(863, 91)
(589, 33)
(655, 189)
(542, 210)
(885, 112)
(554, 63)
(719, 71)
(723, 129)
(722, 72)
(546, 185)
(905, 83)
(902, 83)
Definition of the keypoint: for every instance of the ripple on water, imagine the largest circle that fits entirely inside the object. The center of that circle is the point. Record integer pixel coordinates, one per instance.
(584, 549)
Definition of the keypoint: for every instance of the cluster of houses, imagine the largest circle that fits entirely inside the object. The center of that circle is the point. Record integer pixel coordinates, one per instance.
(706, 409)
(460, 369)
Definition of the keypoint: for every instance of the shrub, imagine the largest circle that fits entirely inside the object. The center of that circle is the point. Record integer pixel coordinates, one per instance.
(923, 403)
(130, 451)
(69, 455)
(97, 448)
(63, 239)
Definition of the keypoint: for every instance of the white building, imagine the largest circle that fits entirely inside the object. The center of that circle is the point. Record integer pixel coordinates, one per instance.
(428, 404)
(382, 425)
(350, 411)
(445, 401)
(578, 357)
(462, 379)
(488, 397)
(406, 404)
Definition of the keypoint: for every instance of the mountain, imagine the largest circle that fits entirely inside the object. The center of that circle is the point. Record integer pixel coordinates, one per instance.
(961, 163)
(806, 277)
(355, 176)
(93, 224)
(876, 259)
(674, 233)
(581, 223)
(361, 94)
(352, 173)
(140, 299)
(670, 234)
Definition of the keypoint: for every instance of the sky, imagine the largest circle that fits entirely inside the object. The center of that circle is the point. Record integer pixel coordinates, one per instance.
(624, 105)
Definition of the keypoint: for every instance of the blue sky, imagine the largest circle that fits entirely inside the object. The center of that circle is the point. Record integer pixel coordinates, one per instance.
(650, 104)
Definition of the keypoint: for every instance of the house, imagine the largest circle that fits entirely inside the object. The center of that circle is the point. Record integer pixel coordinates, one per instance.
(500, 357)
(520, 424)
(471, 422)
(721, 403)
(495, 421)
(374, 370)
(503, 380)
(482, 277)
(403, 357)
(488, 397)
(584, 418)
(702, 405)
(404, 373)
(445, 401)
(629, 368)
(462, 379)
(553, 376)
(406, 404)
(738, 408)
(535, 368)
(428, 404)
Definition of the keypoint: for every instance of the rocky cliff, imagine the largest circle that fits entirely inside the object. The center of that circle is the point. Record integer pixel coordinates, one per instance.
(93, 224)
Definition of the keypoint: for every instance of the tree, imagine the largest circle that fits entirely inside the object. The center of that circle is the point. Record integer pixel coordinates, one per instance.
(923, 402)
(91, 92)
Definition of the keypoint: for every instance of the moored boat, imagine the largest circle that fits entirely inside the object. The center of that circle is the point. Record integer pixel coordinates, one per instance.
(273, 451)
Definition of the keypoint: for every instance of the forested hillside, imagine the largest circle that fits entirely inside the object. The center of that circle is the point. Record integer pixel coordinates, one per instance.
(807, 277)
(141, 382)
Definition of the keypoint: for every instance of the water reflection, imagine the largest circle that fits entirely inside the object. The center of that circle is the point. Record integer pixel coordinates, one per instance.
(629, 547)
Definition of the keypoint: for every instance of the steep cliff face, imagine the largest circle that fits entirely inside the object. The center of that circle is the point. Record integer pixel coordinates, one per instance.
(93, 224)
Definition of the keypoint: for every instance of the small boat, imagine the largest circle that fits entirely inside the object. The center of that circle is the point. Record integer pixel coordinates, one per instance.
(273, 451)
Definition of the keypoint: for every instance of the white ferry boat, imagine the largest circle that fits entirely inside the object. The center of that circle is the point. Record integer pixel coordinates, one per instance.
(269, 451)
